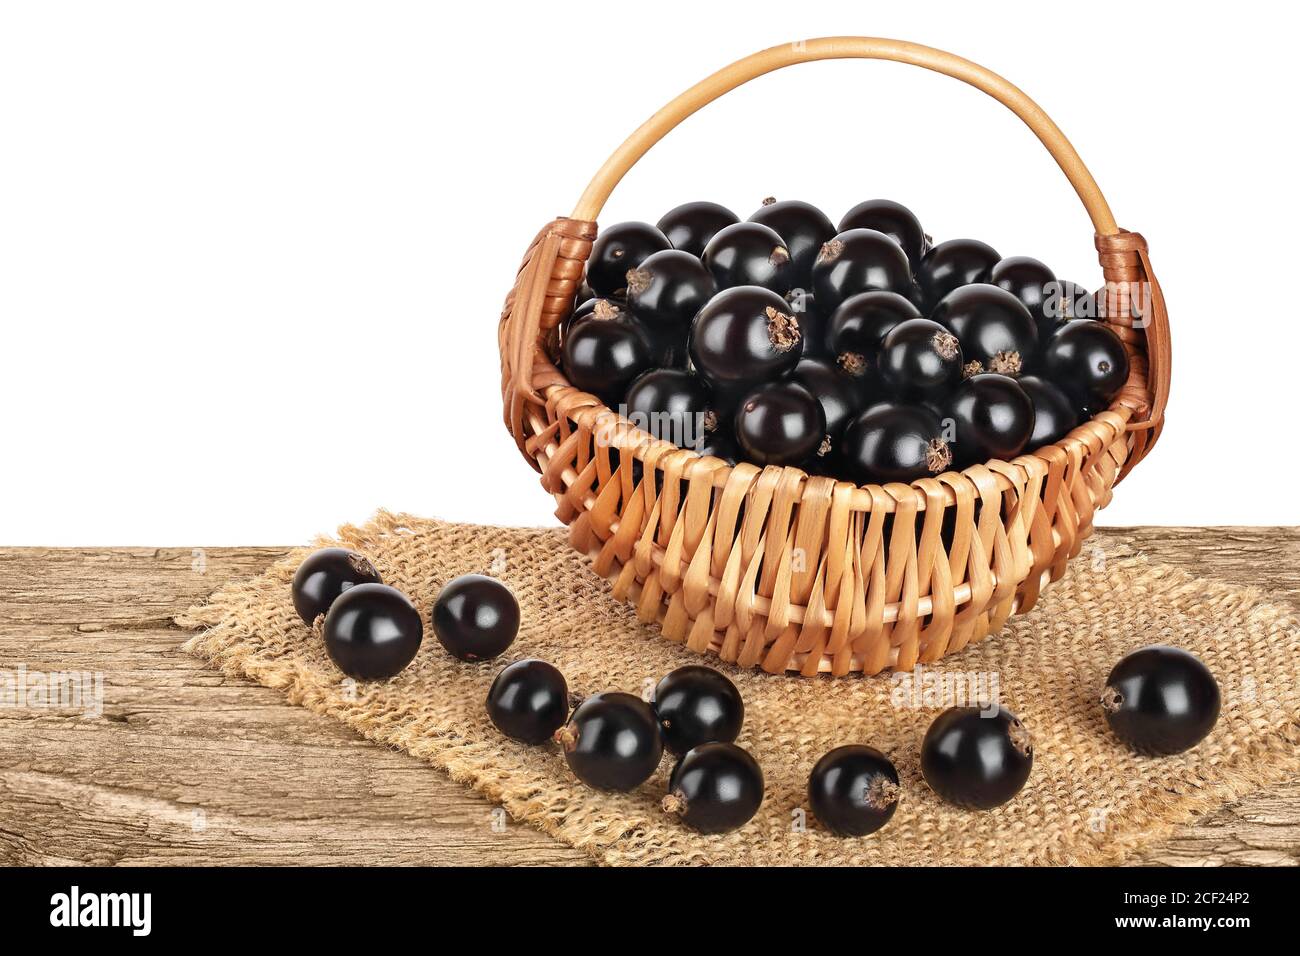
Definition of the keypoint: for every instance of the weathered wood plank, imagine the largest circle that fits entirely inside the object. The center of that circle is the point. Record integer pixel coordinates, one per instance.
(189, 766)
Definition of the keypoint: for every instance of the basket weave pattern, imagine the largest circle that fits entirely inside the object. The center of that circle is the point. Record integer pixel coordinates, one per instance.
(775, 568)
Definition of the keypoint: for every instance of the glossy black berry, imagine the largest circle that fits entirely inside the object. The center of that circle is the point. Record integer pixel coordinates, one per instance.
(814, 323)
(603, 308)
(841, 395)
(1064, 301)
(854, 790)
(528, 701)
(1030, 281)
(1086, 359)
(860, 260)
(721, 444)
(749, 253)
(1076, 302)
(991, 417)
(697, 705)
(715, 788)
(672, 405)
(1054, 414)
(803, 227)
(994, 327)
(953, 264)
(780, 424)
(745, 336)
(609, 308)
(976, 758)
(475, 617)
(667, 344)
(668, 288)
(604, 352)
(612, 741)
(372, 631)
(894, 220)
(324, 575)
(920, 359)
(1161, 700)
(623, 246)
(690, 226)
(861, 322)
(893, 442)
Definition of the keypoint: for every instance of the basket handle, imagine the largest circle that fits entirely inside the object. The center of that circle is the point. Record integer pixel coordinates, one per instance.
(546, 283)
(839, 48)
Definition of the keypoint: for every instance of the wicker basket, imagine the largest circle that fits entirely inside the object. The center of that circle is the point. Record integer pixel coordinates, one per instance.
(775, 568)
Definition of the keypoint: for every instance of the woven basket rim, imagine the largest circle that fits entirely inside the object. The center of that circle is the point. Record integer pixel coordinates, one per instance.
(879, 493)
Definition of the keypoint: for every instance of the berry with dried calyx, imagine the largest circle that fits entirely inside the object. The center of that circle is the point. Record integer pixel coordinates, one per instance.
(324, 575)
(854, 790)
(612, 741)
(715, 788)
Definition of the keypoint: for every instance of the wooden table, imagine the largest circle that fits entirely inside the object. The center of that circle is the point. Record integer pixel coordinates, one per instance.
(188, 766)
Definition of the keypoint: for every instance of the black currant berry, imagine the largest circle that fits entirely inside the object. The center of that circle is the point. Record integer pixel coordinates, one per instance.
(721, 444)
(528, 701)
(920, 359)
(976, 759)
(749, 253)
(860, 324)
(697, 705)
(1030, 281)
(745, 336)
(612, 741)
(1064, 301)
(860, 260)
(894, 220)
(1076, 302)
(604, 352)
(372, 631)
(1054, 414)
(803, 227)
(780, 424)
(602, 308)
(609, 308)
(668, 288)
(621, 247)
(475, 617)
(1161, 700)
(324, 575)
(890, 442)
(1087, 409)
(690, 226)
(1086, 359)
(672, 405)
(854, 790)
(814, 324)
(667, 344)
(991, 417)
(715, 788)
(994, 327)
(953, 264)
(841, 395)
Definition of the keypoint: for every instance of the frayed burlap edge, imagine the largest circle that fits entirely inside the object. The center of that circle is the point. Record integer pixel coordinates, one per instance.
(1269, 758)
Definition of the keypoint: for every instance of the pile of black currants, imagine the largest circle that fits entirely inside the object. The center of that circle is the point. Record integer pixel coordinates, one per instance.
(1158, 700)
(615, 741)
(859, 351)
(372, 630)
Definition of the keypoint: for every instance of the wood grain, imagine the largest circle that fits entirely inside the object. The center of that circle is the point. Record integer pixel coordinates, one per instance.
(188, 766)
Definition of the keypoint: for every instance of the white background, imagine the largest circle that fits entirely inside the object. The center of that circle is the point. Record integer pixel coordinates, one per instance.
(252, 255)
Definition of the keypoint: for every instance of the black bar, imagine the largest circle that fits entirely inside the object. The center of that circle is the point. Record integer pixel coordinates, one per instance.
(926, 905)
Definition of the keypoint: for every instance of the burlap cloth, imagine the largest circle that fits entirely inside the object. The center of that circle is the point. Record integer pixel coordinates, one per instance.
(1087, 801)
